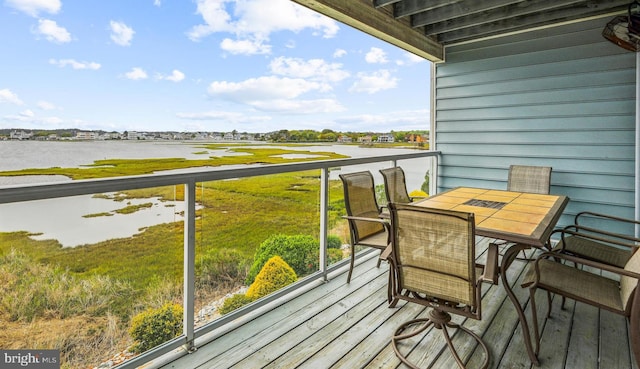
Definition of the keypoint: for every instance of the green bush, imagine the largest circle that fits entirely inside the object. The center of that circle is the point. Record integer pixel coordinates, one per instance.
(334, 256)
(234, 302)
(219, 267)
(334, 242)
(275, 275)
(299, 251)
(153, 327)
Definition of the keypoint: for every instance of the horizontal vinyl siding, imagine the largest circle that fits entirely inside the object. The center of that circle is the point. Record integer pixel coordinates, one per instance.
(562, 97)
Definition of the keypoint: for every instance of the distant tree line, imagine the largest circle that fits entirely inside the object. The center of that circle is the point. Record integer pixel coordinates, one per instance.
(327, 135)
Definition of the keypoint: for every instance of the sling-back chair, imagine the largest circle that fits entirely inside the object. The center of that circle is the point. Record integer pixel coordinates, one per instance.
(366, 228)
(433, 262)
(395, 186)
(613, 290)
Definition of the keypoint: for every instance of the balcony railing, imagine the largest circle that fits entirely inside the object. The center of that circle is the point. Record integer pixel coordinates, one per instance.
(24, 193)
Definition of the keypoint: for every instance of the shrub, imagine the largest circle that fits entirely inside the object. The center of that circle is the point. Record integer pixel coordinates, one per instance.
(153, 327)
(274, 275)
(219, 267)
(299, 251)
(234, 302)
(418, 193)
(334, 256)
(334, 242)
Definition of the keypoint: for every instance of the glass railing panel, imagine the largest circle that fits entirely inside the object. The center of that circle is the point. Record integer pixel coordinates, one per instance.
(90, 275)
(256, 235)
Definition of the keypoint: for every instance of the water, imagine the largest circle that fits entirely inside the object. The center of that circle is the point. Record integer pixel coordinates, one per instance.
(63, 219)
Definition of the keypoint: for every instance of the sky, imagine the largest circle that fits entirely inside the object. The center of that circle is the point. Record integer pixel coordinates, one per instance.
(201, 65)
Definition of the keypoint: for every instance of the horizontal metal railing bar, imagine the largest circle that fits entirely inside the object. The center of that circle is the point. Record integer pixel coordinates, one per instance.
(29, 192)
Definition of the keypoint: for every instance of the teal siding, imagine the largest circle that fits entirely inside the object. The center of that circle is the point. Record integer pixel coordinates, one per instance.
(562, 97)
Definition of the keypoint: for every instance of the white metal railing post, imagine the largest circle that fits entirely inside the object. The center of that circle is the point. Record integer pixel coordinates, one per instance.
(324, 217)
(189, 263)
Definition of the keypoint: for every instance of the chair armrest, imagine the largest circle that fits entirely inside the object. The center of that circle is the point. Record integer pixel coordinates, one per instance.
(605, 216)
(414, 198)
(376, 220)
(581, 261)
(385, 255)
(598, 235)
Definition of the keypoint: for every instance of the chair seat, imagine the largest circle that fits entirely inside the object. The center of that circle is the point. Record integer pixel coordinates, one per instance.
(594, 250)
(379, 240)
(576, 284)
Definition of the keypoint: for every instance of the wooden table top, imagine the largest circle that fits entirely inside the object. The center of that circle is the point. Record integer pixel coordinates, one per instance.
(512, 216)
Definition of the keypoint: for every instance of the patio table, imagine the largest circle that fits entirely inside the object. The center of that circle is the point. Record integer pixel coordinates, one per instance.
(523, 219)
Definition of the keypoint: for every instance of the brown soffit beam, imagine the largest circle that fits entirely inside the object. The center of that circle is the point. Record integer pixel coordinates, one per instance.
(361, 15)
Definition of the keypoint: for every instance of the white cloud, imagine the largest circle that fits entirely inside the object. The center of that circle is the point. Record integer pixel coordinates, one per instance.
(374, 82)
(45, 105)
(157, 2)
(52, 32)
(27, 119)
(245, 47)
(262, 88)
(121, 34)
(276, 94)
(313, 69)
(225, 116)
(300, 106)
(410, 59)
(27, 114)
(403, 120)
(35, 7)
(9, 97)
(75, 64)
(339, 53)
(175, 76)
(136, 74)
(255, 20)
(376, 56)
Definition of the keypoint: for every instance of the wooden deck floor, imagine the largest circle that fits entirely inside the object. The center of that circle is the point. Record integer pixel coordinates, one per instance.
(339, 325)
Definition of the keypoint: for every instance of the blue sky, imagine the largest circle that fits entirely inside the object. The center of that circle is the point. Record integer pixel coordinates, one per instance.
(200, 65)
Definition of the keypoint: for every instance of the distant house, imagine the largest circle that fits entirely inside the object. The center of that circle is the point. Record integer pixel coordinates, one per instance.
(86, 135)
(20, 135)
(386, 138)
(344, 139)
(365, 139)
(228, 136)
(415, 138)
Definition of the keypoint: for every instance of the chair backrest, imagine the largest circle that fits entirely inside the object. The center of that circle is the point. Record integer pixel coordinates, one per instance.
(434, 252)
(527, 178)
(395, 186)
(360, 201)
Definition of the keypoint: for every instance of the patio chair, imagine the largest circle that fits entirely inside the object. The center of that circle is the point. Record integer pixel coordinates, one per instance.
(608, 287)
(604, 246)
(395, 186)
(527, 178)
(433, 260)
(366, 228)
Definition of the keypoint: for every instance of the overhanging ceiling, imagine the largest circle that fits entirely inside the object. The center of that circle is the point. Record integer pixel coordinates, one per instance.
(424, 27)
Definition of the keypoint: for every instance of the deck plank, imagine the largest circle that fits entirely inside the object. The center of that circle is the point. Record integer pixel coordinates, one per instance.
(339, 325)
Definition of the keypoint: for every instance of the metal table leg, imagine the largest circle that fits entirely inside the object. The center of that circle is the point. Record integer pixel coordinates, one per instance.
(507, 260)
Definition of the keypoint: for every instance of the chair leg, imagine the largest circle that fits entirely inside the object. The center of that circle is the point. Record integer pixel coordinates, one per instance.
(439, 320)
(534, 315)
(549, 304)
(353, 260)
